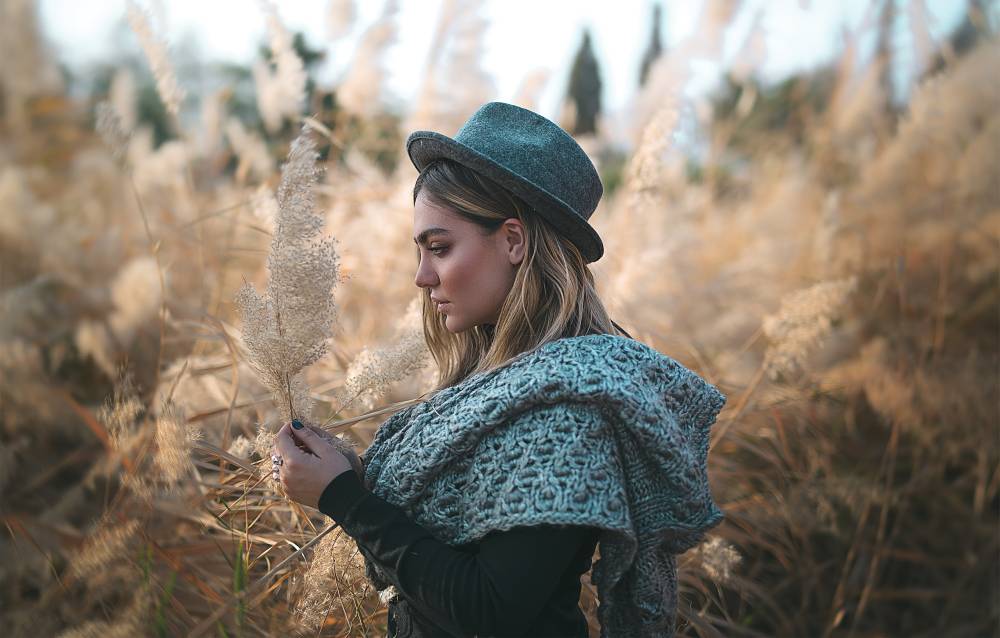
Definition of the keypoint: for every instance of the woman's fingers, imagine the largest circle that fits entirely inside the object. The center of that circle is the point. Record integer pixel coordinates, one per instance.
(323, 434)
(285, 443)
(304, 441)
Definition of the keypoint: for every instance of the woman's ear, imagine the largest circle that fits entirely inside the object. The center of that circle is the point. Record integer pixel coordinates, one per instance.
(514, 237)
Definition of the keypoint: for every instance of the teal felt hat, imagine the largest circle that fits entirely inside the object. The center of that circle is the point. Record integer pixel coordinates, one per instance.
(532, 157)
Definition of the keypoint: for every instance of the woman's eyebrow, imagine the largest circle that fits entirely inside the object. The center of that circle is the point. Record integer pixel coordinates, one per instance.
(422, 237)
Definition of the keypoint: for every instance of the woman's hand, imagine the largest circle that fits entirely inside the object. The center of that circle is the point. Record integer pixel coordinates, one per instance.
(309, 463)
(344, 446)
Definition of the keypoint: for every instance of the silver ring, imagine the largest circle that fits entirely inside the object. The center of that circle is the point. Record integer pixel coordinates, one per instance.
(277, 460)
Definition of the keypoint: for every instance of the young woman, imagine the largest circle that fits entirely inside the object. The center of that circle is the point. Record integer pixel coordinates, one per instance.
(549, 432)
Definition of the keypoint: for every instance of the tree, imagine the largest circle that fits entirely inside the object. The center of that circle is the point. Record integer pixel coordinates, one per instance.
(654, 49)
(585, 88)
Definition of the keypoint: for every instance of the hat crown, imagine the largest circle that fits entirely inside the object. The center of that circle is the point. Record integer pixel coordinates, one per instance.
(532, 145)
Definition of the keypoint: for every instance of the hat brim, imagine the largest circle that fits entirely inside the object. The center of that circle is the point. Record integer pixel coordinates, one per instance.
(423, 147)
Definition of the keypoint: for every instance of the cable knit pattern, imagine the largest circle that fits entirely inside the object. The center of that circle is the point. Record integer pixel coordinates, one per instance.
(596, 430)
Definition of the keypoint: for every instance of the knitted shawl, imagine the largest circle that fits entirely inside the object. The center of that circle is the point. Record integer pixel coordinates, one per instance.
(595, 430)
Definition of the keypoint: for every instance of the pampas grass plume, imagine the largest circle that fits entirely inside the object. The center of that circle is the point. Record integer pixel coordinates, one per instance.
(156, 54)
(804, 319)
(281, 91)
(106, 546)
(250, 150)
(173, 444)
(362, 85)
(113, 132)
(119, 412)
(287, 328)
(336, 574)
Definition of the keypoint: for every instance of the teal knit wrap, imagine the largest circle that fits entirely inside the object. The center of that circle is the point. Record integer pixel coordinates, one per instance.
(595, 430)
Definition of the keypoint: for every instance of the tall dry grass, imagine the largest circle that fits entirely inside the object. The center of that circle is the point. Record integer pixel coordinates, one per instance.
(841, 286)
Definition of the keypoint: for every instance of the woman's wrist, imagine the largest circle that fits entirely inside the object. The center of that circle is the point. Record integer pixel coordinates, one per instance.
(341, 495)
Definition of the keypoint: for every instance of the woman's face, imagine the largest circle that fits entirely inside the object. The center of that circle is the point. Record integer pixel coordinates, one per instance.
(461, 267)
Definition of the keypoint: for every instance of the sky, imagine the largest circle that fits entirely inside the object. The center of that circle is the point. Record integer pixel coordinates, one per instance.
(798, 34)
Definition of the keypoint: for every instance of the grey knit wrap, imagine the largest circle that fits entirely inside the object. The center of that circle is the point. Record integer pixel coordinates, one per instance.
(595, 430)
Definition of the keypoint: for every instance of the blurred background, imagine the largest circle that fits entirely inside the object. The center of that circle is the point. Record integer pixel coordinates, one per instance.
(802, 204)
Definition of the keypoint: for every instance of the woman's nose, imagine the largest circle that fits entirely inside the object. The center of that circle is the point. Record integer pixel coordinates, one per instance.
(425, 276)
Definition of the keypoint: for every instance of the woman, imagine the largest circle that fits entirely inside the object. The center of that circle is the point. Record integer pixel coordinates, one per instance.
(548, 434)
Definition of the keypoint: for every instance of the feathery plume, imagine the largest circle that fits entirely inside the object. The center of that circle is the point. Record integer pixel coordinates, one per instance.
(241, 447)
(156, 54)
(281, 84)
(265, 207)
(286, 330)
(923, 42)
(263, 442)
(92, 340)
(340, 16)
(173, 444)
(335, 575)
(373, 371)
(719, 558)
(645, 169)
(29, 68)
(464, 62)
(103, 547)
(162, 167)
(361, 87)
(427, 111)
(119, 411)
(250, 149)
(455, 56)
(113, 132)
(530, 90)
(894, 395)
(136, 295)
(121, 95)
(212, 113)
(801, 323)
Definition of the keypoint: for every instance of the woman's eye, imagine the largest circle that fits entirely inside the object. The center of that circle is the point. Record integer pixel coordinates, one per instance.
(437, 250)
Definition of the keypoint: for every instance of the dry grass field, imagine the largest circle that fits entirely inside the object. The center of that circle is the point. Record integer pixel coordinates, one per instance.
(830, 260)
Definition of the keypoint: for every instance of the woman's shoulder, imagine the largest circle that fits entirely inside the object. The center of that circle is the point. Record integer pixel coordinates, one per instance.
(593, 349)
(621, 367)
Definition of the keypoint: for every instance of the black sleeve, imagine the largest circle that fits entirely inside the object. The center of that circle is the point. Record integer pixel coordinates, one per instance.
(498, 592)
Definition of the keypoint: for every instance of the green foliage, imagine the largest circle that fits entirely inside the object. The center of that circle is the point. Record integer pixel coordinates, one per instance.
(160, 620)
(241, 96)
(240, 585)
(781, 110)
(150, 110)
(612, 162)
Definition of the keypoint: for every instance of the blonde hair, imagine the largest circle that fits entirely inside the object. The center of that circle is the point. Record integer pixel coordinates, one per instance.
(553, 294)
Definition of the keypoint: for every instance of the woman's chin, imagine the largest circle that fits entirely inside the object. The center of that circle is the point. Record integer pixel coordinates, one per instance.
(453, 325)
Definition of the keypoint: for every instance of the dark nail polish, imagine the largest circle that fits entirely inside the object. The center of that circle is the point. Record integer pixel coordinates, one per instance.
(297, 424)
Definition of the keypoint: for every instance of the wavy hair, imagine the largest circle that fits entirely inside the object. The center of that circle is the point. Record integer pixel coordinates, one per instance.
(553, 295)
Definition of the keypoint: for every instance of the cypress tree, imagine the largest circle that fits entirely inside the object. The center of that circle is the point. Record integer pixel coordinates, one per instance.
(654, 49)
(585, 88)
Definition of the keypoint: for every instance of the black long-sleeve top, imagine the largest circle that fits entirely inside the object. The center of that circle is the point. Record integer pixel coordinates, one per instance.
(520, 582)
